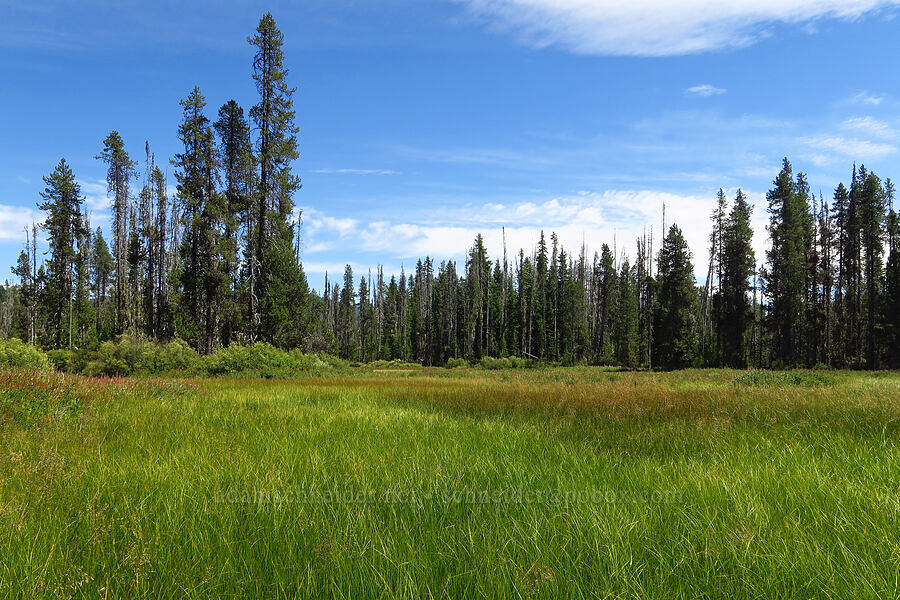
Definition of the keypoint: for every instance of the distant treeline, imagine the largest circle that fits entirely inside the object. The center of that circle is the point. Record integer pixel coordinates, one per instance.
(219, 263)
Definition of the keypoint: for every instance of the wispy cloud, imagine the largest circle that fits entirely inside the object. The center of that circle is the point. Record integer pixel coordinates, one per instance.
(14, 220)
(95, 194)
(705, 91)
(870, 126)
(658, 27)
(838, 148)
(867, 97)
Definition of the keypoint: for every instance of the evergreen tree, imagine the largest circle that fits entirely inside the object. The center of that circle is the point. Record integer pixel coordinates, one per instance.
(120, 171)
(738, 265)
(282, 287)
(871, 202)
(62, 200)
(346, 324)
(366, 318)
(785, 274)
(24, 317)
(625, 338)
(891, 303)
(102, 267)
(675, 318)
(839, 216)
(201, 274)
(605, 302)
(236, 154)
(711, 340)
(84, 317)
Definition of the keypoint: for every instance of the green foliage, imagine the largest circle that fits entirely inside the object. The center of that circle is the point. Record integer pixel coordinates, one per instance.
(64, 225)
(674, 327)
(15, 353)
(738, 264)
(238, 358)
(457, 363)
(60, 358)
(510, 362)
(132, 356)
(395, 364)
(266, 360)
(761, 378)
(791, 233)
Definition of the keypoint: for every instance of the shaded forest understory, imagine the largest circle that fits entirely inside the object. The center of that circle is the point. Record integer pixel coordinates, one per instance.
(219, 263)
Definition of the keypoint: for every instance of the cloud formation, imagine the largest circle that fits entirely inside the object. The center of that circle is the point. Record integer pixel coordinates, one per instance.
(867, 97)
(658, 27)
(837, 147)
(14, 220)
(614, 217)
(705, 91)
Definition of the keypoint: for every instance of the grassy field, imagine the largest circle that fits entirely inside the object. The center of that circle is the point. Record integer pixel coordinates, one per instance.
(568, 483)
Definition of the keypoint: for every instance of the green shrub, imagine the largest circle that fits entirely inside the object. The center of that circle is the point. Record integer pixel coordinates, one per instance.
(132, 356)
(522, 363)
(394, 364)
(268, 361)
(822, 367)
(238, 358)
(60, 358)
(457, 363)
(510, 362)
(16, 353)
(495, 363)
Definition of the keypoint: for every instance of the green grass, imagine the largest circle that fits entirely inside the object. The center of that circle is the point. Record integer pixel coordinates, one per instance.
(564, 483)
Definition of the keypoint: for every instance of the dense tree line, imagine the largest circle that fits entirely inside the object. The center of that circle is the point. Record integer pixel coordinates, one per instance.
(219, 263)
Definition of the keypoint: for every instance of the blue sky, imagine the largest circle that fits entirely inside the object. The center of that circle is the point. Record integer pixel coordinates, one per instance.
(424, 122)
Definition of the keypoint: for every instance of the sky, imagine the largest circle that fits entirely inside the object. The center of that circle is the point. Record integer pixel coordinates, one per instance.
(424, 122)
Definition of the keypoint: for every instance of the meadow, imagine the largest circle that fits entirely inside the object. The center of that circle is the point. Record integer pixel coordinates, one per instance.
(445, 483)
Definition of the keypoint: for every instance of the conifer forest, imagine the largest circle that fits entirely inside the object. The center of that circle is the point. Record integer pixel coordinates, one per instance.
(220, 263)
(186, 412)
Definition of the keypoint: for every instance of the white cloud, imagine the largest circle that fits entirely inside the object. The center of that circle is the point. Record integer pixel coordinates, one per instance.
(14, 220)
(658, 27)
(870, 126)
(705, 91)
(867, 97)
(95, 194)
(315, 221)
(593, 218)
(836, 147)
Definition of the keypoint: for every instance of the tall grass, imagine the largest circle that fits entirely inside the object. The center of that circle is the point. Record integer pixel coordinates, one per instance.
(567, 483)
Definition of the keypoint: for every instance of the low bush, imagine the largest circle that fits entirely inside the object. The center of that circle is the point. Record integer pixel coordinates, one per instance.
(822, 367)
(238, 358)
(132, 356)
(493, 364)
(760, 378)
(457, 363)
(16, 353)
(510, 362)
(266, 360)
(394, 364)
(60, 358)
